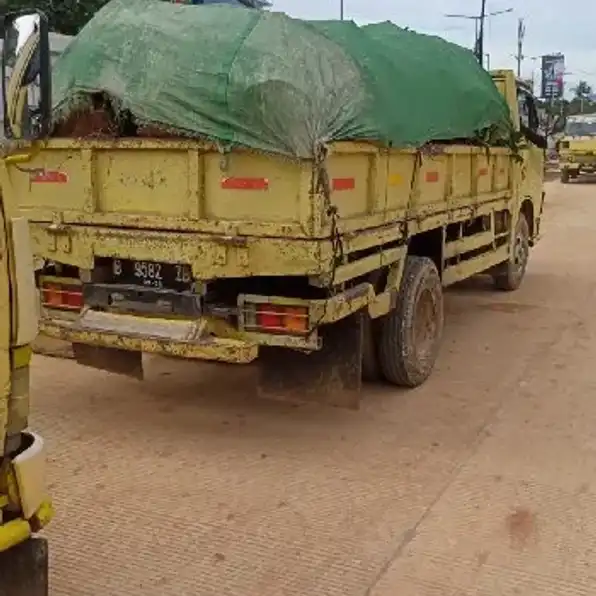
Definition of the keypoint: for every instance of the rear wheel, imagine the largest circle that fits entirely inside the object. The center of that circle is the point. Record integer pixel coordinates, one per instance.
(509, 275)
(410, 335)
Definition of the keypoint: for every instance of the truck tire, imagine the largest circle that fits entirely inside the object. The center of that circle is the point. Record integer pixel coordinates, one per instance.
(564, 176)
(410, 335)
(509, 275)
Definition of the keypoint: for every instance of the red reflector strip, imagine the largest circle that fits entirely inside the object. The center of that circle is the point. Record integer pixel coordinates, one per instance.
(57, 296)
(245, 183)
(339, 184)
(483, 172)
(49, 177)
(432, 176)
(275, 318)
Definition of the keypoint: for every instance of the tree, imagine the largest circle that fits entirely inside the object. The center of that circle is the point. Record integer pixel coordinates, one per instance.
(583, 90)
(70, 16)
(65, 16)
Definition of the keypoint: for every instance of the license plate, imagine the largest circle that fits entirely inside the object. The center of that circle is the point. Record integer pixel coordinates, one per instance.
(152, 274)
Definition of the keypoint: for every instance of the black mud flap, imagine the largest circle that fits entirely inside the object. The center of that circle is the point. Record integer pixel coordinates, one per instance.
(330, 376)
(54, 348)
(24, 569)
(114, 360)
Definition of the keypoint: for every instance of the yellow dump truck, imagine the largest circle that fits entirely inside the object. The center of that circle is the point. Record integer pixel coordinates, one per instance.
(323, 270)
(577, 147)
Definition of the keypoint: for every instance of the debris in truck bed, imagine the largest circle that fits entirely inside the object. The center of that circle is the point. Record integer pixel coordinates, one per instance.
(266, 81)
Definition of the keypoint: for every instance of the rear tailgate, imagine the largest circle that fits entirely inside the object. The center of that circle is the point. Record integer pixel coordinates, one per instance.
(164, 185)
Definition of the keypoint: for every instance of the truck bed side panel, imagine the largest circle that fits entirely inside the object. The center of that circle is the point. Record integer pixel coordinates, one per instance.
(169, 185)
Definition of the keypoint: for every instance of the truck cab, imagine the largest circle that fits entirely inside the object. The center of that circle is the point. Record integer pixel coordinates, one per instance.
(577, 147)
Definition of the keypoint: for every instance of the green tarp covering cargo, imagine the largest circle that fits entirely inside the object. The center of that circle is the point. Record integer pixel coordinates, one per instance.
(266, 81)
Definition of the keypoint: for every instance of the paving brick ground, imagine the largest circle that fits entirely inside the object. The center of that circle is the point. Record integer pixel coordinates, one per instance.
(481, 483)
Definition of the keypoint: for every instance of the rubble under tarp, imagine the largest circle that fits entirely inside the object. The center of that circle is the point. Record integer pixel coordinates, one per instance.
(266, 81)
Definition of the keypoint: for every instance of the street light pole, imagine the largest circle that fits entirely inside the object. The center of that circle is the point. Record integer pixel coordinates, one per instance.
(480, 47)
(341, 10)
(479, 21)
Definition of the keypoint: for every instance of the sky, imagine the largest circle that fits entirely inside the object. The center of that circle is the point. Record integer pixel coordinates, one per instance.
(548, 29)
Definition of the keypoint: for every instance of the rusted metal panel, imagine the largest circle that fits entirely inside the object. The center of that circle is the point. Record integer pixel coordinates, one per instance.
(189, 186)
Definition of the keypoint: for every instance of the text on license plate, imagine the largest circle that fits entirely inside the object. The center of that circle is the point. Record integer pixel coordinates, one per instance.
(152, 274)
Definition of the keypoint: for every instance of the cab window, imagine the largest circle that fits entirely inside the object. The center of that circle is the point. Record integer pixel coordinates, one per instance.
(528, 114)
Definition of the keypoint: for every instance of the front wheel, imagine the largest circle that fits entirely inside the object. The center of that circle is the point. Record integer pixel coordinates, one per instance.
(509, 275)
(410, 335)
(564, 176)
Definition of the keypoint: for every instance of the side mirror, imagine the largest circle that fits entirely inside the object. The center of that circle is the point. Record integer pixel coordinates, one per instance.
(26, 76)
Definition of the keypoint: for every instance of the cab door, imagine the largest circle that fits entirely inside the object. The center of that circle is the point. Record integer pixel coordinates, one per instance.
(532, 170)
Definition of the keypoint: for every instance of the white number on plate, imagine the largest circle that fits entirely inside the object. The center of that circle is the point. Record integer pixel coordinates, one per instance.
(182, 274)
(117, 267)
(148, 271)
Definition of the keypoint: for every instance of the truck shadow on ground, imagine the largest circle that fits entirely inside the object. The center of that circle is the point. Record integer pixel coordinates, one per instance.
(217, 400)
(229, 389)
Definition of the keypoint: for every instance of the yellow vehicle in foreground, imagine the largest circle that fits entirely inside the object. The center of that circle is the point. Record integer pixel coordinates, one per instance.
(323, 271)
(24, 504)
(25, 507)
(577, 148)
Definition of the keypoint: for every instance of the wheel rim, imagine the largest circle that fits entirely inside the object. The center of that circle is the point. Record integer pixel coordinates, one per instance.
(425, 326)
(520, 253)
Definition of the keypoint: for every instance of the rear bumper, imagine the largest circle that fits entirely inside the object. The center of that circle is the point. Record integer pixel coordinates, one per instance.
(585, 162)
(155, 336)
(202, 338)
(25, 478)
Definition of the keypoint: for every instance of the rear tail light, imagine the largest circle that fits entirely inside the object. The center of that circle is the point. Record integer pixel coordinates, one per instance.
(277, 318)
(62, 295)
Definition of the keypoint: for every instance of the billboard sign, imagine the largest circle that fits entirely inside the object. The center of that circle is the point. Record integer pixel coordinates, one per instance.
(553, 72)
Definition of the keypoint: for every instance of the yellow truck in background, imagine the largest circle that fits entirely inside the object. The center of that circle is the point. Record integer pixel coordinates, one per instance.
(577, 147)
(323, 271)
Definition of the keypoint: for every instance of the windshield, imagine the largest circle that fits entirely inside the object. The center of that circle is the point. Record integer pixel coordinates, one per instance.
(581, 129)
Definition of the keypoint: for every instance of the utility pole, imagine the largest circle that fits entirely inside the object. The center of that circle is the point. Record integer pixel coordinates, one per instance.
(479, 21)
(341, 10)
(480, 46)
(521, 34)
